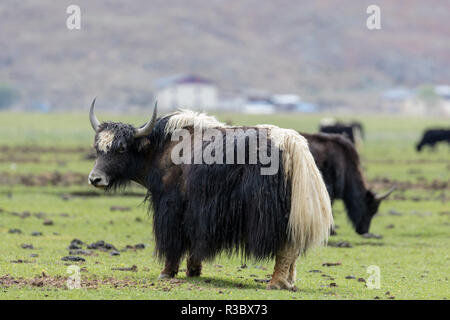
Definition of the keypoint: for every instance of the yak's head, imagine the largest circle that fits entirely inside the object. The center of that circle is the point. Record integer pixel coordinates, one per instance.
(119, 151)
(419, 147)
(372, 202)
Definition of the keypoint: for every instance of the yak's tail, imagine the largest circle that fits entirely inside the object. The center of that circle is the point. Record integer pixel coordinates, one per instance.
(311, 218)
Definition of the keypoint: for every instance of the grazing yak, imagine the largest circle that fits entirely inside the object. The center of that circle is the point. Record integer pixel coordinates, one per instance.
(353, 130)
(433, 136)
(201, 209)
(339, 163)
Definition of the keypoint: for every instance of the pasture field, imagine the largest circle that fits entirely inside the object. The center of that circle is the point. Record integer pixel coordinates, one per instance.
(45, 203)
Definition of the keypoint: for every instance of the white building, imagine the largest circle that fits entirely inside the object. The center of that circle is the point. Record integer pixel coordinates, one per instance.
(186, 91)
(443, 92)
(407, 101)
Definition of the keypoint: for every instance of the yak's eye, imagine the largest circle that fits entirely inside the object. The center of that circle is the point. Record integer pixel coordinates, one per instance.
(122, 149)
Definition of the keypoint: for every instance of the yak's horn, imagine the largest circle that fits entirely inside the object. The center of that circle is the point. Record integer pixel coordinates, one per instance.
(383, 196)
(94, 121)
(147, 129)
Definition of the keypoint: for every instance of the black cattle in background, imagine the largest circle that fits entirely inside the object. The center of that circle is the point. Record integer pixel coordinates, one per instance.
(354, 130)
(433, 136)
(339, 163)
(341, 129)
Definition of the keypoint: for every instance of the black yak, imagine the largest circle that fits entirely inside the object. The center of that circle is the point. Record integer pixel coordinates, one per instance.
(433, 136)
(202, 209)
(354, 130)
(339, 163)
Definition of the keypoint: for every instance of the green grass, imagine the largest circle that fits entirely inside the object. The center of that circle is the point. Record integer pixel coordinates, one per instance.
(413, 256)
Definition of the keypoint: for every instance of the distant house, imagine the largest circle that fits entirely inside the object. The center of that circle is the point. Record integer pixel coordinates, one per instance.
(443, 92)
(258, 102)
(186, 91)
(292, 103)
(394, 100)
(285, 102)
(406, 101)
(258, 107)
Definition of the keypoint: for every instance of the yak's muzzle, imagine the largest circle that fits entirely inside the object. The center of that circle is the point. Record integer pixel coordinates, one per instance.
(98, 179)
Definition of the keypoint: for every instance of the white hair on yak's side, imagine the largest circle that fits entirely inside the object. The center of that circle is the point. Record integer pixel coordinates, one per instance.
(185, 118)
(311, 218)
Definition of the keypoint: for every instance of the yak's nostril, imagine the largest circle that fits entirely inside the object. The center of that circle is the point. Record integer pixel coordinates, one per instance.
(96, 180)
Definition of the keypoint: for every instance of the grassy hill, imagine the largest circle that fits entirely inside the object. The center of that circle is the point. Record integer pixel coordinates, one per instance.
(321, 50)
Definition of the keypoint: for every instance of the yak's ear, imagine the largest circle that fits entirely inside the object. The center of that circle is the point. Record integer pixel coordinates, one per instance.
(143, 143)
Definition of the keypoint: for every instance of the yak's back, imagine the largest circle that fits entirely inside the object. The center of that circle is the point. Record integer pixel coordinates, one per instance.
(337, 159)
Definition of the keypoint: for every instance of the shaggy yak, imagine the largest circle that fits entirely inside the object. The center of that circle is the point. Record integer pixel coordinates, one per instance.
(202, 209)
(433, 136)
(339, 163)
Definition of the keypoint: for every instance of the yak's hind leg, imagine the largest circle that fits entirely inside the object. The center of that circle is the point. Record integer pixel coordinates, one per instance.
(170, 269)
(194, 267)
(292, 273)
(282, 275)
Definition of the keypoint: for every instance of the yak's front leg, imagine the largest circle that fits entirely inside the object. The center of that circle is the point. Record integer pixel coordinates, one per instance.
(170, 269)
(194, 267)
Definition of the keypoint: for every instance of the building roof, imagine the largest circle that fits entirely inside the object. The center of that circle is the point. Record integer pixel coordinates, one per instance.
(397, 94)
(181, 78)
(443, 91)
(285, 98)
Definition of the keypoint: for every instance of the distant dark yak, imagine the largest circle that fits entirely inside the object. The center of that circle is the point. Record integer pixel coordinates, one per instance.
(202, 209)
(354, 130)
(339, 163)
(433, 136)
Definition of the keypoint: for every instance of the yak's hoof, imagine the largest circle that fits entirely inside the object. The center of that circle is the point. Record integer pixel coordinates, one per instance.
(164, 276)
(193, 273)
(278, 285)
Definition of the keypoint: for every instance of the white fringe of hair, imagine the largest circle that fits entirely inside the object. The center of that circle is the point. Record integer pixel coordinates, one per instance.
(185, 118)
(357, 136)
(311, 218)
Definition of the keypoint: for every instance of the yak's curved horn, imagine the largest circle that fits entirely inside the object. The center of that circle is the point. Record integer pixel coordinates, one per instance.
(94, 121)
(383, 196)
(147, 129)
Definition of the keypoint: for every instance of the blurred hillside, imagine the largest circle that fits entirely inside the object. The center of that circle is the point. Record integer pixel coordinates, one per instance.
(320, 50)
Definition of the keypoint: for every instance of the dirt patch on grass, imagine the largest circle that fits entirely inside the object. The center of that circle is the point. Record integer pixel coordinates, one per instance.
(372, 244)
(379, 183)
(41, 149)
(88, 194)
(44, 179)
(19, 158)
(405, 161)
(60, 282)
